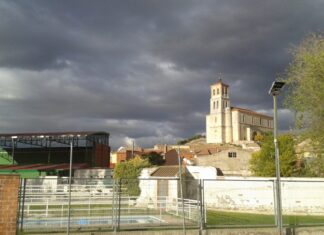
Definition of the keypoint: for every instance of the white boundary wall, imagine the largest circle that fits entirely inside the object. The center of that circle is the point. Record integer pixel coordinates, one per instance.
(249, 194)
(299, 195)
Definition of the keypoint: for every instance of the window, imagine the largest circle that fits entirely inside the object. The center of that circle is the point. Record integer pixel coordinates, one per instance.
(214, 105)
(232, 154)
(217, 91)
(213, 91)
(243, 118)
(217, 104)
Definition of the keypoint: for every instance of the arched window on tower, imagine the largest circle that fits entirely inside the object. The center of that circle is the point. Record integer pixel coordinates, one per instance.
(214, 105)
(217, 104)
(217, 91)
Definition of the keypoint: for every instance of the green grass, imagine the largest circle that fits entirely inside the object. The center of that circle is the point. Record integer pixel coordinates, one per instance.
(235, 218)
(222, 218)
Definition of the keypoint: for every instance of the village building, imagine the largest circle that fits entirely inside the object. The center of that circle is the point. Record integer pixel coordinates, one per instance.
(171, 157)
(231, 161)
(227, 124)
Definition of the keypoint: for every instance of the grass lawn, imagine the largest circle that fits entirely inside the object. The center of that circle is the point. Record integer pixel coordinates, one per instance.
(221, 218)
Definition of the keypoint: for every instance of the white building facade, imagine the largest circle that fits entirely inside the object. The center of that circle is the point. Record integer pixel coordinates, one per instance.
(226, 124)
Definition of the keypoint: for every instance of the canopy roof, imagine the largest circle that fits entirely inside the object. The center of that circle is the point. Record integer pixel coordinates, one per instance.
(53, 139)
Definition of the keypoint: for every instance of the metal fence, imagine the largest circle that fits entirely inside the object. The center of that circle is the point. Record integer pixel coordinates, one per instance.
(113, 205)
(104, 204)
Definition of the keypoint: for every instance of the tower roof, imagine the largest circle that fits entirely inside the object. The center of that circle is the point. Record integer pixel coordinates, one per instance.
(220, 82)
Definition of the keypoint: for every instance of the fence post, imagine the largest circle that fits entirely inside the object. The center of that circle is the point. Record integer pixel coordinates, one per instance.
(46, 212)
(113, 205)
(119, 204)
(275, 202)
(189, 208)
(89, 206)
(201, 208)
(23, 205)
(177, 206)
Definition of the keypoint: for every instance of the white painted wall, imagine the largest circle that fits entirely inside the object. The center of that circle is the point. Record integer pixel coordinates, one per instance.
(247, 194)
(299, 195)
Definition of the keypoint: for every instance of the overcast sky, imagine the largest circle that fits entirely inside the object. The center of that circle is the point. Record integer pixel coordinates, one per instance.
(142, 69)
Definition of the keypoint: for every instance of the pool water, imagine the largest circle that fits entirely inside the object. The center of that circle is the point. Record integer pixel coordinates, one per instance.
(90, 221)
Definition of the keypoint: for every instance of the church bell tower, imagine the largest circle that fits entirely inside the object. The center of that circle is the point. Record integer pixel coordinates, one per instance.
(219, 121)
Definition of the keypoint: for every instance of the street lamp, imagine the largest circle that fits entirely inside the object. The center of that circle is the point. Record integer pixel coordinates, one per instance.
(181, 191)
(70, 182)
(275, 91)
(13, 148)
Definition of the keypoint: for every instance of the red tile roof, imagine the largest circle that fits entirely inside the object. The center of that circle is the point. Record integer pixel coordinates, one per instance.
(166, 171)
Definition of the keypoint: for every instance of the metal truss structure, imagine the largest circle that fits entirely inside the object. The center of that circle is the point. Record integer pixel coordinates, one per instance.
(49, 140)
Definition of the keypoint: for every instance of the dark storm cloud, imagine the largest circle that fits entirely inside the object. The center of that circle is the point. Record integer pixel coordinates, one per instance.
(142, 69)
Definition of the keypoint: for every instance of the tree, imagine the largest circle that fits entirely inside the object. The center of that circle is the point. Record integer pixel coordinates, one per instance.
(154, 158)
(262, 162)
(5, 158)
(185, 141)
(128, 172)
(315, 166)
(258, 137)
(305, 82)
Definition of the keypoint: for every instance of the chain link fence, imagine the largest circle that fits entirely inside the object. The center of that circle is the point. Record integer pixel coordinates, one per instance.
(127, 204)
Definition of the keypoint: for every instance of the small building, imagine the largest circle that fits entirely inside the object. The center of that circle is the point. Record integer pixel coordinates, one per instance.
(232, 161)
(163, 182)
(227, 124)
(171, 157)
(126, 153)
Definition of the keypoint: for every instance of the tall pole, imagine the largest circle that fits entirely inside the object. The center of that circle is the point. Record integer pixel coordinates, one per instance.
(13, 151)
(278, 185)
(181, 193)
(70, 181)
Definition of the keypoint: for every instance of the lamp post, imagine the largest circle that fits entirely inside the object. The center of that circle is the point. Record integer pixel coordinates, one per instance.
(13, 149)
(181, 191)
(275, 91)
(70, 182)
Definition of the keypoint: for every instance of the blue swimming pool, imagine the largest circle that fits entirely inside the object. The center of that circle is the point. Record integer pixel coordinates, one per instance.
(89, 221)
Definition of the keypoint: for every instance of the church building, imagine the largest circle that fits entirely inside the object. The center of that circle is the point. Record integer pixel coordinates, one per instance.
(226, 124)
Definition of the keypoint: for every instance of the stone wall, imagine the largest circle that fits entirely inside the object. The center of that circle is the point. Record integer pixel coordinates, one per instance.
(234, 165)
(9, 187)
